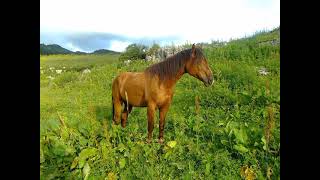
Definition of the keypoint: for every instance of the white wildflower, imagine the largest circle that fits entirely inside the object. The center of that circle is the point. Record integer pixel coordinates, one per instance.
(127, 62)
(50, 77)
(263, 71)
(58, 71)
(86, 71)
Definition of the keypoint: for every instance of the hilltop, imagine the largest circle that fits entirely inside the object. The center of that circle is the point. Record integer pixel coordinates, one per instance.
(53, 49)
(105, 51)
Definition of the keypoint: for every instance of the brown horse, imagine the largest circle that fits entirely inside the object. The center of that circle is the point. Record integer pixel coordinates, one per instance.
(154, 87)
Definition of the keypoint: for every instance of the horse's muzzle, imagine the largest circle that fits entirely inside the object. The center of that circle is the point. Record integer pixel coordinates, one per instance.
(208, 81)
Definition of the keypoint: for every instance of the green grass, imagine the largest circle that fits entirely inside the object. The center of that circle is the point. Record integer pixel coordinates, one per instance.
(76, 62)
(238, 124)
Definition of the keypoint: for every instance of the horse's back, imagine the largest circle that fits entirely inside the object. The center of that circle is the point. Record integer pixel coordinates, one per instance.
(131, 86)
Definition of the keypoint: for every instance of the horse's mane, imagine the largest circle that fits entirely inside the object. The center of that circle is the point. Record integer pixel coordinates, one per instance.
(169, 67)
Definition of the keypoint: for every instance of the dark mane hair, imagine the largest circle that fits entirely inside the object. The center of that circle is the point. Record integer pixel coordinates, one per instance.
(171, 65)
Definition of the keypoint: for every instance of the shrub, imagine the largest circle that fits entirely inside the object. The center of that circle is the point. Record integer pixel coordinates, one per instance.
(134, 52)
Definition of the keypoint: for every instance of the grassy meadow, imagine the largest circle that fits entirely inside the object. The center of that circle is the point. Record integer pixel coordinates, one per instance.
(230, 130)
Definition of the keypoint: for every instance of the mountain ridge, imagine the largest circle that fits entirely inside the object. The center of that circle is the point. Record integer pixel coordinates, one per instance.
(48, 49)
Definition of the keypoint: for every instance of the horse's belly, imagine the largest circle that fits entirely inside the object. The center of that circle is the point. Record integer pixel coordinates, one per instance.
(133, 90)
(136, 98)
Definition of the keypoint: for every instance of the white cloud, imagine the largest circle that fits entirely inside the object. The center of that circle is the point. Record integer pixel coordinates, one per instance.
(118, 46)
(73, 48)
(200, 20)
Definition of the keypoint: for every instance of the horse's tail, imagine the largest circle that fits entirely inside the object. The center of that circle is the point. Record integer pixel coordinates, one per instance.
(112, 108)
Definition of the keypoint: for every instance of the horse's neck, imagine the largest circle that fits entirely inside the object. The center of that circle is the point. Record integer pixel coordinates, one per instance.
(179, 74)
(172, 81)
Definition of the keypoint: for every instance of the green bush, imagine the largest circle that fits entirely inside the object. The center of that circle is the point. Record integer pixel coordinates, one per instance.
(134, 52)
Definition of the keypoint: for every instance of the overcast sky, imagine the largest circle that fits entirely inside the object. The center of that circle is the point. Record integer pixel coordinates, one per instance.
(104, 24)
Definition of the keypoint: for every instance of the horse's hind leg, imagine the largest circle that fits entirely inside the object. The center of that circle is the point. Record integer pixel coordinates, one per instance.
(117, 110)
(116, 101)
(125, 113)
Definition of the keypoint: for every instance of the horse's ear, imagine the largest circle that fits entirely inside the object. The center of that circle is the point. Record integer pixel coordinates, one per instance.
(193, 47)
(193, 54)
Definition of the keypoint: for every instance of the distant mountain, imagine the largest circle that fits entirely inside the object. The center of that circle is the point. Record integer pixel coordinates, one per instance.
(104, 51)
(53, 49)
(56, 49)
(80, 52)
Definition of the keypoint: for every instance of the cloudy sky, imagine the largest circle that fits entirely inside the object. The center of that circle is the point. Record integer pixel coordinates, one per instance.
(88, 25)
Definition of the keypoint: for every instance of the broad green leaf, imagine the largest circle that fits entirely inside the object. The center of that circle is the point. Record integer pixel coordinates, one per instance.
(168, 154)
(228, 124)
(264, 147)
(70, 150)
(126, 154)
(86, 170)
(247, 173)
(74, 163)
(230, 133)
(122, 163)
(179, 165)
(172, 144)
(64, 133)
(112, 176)
(220, 124)
(240, 148)
(224, 142)
(208, 166)
(83, 141)
(121, 147)
(104, 148)
(241, 135)
(263, 140)
(59, 149)
(42, 158)
(187, 176)
(269, 172)
(85, 154)
(264, 143)
(53, 124)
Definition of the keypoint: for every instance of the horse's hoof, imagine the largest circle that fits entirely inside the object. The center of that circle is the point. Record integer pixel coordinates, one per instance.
(161, 140)
(148, 141)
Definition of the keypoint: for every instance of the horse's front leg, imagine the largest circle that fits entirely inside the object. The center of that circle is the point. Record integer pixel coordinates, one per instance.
(162, 113)
(150, 111)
